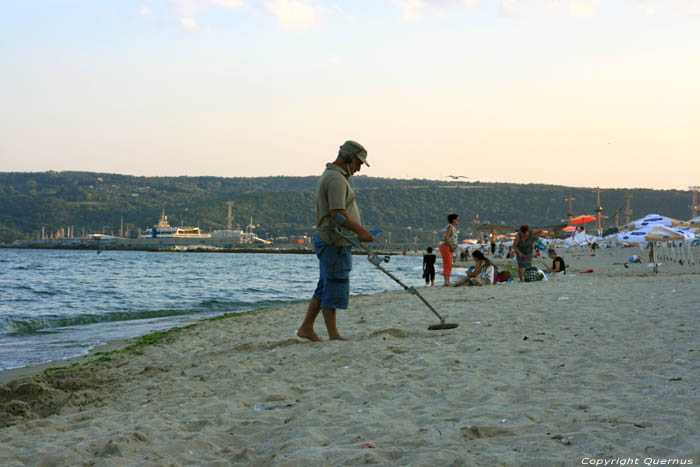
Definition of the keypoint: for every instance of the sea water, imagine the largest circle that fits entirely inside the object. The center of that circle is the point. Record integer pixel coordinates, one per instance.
(58, 304)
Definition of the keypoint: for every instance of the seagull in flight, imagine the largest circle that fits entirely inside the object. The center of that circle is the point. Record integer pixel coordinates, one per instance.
(456, 177)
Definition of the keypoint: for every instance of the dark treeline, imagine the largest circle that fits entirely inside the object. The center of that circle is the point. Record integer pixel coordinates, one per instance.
(412, 210)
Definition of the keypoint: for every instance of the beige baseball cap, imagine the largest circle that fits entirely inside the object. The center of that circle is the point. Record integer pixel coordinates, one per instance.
(355, 149)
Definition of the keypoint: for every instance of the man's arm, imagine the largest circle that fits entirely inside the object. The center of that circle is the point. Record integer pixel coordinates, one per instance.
(350, 224)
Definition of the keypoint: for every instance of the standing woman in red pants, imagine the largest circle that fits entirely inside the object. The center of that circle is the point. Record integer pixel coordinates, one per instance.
(449, 245)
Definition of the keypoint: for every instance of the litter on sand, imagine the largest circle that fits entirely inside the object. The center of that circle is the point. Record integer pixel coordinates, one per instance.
(271, 406)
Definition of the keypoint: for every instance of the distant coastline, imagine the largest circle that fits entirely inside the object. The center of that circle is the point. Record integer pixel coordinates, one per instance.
(141, 245)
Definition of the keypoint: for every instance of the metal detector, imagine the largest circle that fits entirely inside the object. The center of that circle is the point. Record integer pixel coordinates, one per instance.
(377, 261)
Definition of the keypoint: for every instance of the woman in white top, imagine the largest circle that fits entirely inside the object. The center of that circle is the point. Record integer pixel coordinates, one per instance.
(449, 246)
(482, 274)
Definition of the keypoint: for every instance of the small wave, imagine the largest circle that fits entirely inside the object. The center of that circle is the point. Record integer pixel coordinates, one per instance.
(47, 292)
(36, 291)
(30, 267)
(39, 324)
(43, 324)
(214, 303)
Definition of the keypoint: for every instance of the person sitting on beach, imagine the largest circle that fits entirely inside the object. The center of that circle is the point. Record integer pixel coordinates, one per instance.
(482, 274)
(523, 247)
(558, 264)
(429, 267)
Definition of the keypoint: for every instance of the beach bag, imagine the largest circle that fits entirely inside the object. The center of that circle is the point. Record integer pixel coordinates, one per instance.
(503, 276)
(531, 274)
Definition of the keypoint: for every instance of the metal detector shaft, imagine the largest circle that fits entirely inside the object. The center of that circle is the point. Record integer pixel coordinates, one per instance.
(411, 290)
(357, 244)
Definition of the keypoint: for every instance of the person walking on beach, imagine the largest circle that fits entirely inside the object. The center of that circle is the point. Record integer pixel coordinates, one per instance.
(335, 205)
(429, 267)
(523, 246)
(449, 246)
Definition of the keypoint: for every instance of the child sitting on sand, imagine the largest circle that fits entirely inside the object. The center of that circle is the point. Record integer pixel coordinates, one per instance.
(558, 264)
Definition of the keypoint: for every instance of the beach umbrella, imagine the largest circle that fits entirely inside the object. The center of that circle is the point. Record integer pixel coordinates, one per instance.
(651, 233)
(694, 222)
(653, 219)
(582, 219)
(570, 228)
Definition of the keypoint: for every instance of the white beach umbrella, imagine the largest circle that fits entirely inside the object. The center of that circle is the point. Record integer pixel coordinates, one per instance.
(694, 222)
(656, 219)
(649, 219)
(651, 233)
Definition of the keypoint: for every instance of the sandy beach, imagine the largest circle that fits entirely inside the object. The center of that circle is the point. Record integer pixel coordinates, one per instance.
(581, 368)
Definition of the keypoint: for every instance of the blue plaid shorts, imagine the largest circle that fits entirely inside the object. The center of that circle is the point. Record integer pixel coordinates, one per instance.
(335, 263)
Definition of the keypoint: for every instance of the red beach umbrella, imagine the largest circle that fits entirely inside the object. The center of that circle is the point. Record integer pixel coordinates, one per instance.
(581, 219)
(570, 228)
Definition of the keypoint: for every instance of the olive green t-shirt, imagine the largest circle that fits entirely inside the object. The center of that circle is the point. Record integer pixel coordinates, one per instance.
(334, 192)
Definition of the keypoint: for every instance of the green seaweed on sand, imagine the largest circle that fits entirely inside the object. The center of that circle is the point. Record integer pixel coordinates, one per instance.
(152, 338)
(133, 348)
(234, 314)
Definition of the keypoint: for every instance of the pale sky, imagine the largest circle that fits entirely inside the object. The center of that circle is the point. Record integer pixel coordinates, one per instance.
(568, 92)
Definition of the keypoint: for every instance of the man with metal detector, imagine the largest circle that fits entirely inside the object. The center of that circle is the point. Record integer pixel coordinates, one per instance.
(335, 205)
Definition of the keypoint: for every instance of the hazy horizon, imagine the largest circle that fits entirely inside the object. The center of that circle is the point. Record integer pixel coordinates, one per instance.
(580, 93)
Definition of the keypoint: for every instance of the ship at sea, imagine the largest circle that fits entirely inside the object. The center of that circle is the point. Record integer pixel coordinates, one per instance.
(161, 236)
(164, 230)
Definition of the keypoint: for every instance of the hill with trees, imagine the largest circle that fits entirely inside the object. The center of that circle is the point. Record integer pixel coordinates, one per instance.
(412, 210)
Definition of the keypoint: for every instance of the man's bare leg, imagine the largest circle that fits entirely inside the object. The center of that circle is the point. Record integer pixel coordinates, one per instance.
(306, 330)
(329, 318)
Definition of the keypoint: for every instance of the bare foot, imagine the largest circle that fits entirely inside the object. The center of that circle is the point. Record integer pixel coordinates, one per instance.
(337, 337)
(310, 335)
